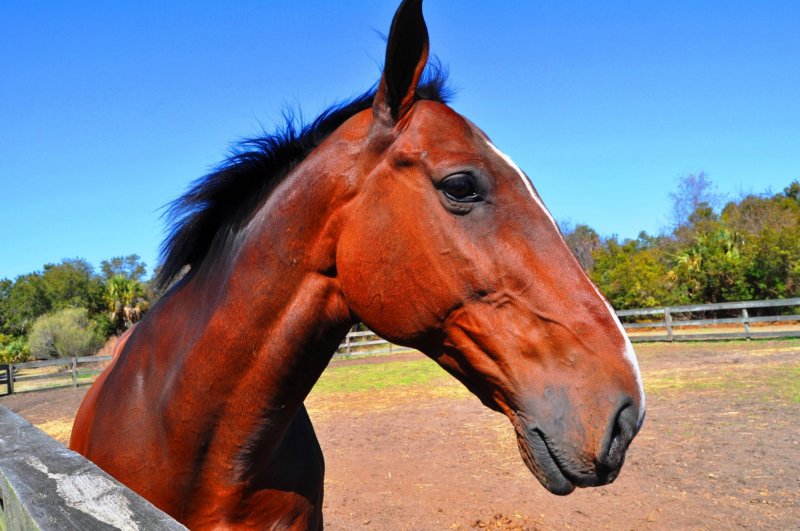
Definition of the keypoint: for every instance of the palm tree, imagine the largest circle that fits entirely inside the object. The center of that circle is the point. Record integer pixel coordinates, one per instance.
(126, 301)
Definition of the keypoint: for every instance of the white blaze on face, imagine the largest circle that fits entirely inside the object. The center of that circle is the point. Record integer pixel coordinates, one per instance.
(525, 181)
(628, 353)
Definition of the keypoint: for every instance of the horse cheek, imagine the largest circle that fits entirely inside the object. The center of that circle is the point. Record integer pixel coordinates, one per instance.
(383, 278)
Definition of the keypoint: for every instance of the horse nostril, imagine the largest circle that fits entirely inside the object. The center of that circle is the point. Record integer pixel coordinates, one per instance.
(619, 435)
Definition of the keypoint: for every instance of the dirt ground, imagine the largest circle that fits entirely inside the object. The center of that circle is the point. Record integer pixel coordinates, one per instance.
(720, 450)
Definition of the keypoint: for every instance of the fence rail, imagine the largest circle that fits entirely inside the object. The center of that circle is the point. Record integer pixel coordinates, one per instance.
(640, 325)
(675, 319)
(366, 343)
(44, 486)
(678, 318)
(15, 373)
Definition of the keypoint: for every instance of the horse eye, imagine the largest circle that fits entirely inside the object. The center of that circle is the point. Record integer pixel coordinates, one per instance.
(460, 188)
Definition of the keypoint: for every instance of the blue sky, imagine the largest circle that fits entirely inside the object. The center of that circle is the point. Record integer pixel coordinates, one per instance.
(109, 110)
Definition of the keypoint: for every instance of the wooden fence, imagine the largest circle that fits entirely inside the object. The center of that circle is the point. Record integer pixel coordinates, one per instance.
(366, 343)
(74, 371)
(44, 486)
(703, 322)
(654, 324)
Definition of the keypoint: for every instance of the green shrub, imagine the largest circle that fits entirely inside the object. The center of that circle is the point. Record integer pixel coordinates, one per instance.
(64, 334)
(13, 349)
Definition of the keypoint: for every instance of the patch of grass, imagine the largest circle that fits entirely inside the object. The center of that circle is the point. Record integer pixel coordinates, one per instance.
(684, 383)
(776, 381)
(425, 377)
(784, 343)
(59, 430)
(374, 376)
(787, 381)
(356, 389)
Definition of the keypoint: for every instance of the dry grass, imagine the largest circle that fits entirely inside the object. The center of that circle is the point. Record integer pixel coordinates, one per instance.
(59, 430)
(787, 326)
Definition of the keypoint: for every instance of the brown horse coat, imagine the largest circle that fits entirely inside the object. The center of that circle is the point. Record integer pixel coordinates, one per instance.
(393, 210)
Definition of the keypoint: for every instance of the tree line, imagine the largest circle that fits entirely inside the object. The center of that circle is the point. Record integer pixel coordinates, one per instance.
(69, 309)
(714, 251)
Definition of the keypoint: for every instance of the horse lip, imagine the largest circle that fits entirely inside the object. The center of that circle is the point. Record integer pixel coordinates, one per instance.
(555, 479)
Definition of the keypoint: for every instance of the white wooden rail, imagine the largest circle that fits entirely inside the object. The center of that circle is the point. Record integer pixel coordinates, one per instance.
(675, 320)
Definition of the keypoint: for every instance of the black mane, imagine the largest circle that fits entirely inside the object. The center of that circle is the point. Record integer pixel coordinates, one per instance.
(204, 222)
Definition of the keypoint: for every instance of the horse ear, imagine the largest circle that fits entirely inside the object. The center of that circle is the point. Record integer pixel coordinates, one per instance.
(406, 55)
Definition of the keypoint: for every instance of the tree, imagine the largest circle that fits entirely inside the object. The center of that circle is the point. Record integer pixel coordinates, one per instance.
(769, 233)
(633, 274)
(693, 191)
(770, 229)
(72, 284)
(130, 267)
(126, 301)
(25, 302)
(64, 334)
(583, 241)
(793, 191)
(5, 293)
(749, 250)
(712, 268)
(69, 284)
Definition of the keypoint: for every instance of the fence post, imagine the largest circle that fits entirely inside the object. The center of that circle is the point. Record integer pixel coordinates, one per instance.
(9, 368)
(75, 372)
(668, 323)
(348, 347)
(746, 323)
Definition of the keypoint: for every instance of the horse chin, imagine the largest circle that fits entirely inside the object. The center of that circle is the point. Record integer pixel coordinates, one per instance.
(541, 462)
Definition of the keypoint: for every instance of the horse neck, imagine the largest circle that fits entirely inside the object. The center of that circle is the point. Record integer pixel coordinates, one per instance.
(272, 317)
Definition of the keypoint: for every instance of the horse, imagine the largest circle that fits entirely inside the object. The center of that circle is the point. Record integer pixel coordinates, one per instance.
(392, 210)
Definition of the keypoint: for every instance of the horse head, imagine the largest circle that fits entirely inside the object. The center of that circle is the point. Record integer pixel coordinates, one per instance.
(447, 247)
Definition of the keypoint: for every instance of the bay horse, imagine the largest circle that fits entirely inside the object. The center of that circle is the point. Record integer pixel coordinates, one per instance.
(392, 210)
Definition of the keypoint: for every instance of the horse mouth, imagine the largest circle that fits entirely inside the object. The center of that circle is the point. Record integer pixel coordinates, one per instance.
(542, 462)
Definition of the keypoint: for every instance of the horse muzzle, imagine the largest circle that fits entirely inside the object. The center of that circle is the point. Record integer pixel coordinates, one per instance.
(559, 461)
